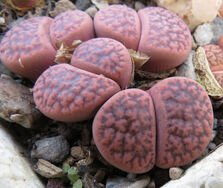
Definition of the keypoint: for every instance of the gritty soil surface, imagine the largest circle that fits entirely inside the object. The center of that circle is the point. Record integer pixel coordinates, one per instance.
(79, 148)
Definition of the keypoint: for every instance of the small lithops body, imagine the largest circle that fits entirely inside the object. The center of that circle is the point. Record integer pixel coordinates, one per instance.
(165, 38)
(26, 48)
(66, 93)
(124, 131)
(104, 56)
(71, 25)
(220, 41)
(184, 120)
(24, 4)
(214, 54)
(118, 22)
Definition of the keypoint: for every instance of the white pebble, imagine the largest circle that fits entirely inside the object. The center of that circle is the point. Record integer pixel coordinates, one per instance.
(175, 173)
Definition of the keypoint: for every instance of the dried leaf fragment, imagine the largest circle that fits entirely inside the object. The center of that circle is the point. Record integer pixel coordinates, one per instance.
(139, 58)
(64, 52)
(48, 170)
(204, 74)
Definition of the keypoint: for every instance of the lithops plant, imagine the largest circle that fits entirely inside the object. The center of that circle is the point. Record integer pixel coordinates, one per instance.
(107, 57)
(26, 48)
(24, 5)
(169, 125)
(214, 54)
(118, 22)
(71, 25)
(162, 35)
(184, 120)
(66, 93)
(124, 131)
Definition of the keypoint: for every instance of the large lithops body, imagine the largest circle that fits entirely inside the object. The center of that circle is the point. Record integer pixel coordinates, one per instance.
(69, 94)
(118, 22)
(164, 37)
(71, 25)
(184, 120)
(124, 127)
(124, 131)
(26, 48)
(104, 56)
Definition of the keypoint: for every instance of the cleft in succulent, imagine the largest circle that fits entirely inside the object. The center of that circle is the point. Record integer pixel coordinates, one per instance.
(138, 58)
(204, 74)
(64, 52)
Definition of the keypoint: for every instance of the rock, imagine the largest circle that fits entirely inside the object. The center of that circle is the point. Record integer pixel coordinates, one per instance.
(15, 169)
(206, 173)
(82, 4)
(91, 11)
(17, 103)
(77, 152)
(193, 12)
(53, 149)
(62, 6)
(217, 29)
(124, 182)
(212, 146)
(187, 68)
(203, 34)
(139, 5)
(175, 173)
(48, 170)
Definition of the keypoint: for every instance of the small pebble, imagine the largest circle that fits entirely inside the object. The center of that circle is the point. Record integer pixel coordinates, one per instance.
(123, 182)
(91, 11)
(2, 21)
(53, 149)
(187, 68)
(213, 135)
(175, 173)
(212, 146)
(62, 6)
(139, 5)
(203, 34)
(82, 4)
(215, 125)
(69, 160)
(77, 152)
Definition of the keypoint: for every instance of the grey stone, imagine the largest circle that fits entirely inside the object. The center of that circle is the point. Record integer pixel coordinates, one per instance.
(82, 4)
(187, 68)
(217, 29)
(15, 170)
(120, 182)
(203, 34)
(17, 104)
(53, 149)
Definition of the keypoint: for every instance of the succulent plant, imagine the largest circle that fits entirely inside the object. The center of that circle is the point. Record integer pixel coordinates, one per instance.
(26, 48)
(69, 94)
(30, 47)
(24, 5)
(120, 23)
(169, 125)
(162, 35)
(71, 25)
(107, 57)
(214, 54)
